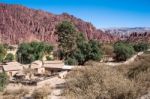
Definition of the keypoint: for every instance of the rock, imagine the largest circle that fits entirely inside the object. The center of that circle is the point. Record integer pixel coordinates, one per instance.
(19, 24)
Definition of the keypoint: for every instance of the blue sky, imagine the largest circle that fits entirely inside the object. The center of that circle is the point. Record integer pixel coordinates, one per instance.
(101, 13)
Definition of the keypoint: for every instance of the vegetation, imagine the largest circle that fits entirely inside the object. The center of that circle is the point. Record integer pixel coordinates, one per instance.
(66, 37)
(99, 82)
(86, 50)
(41, 93)
(3, 52)
(141, 47)
(48, 58)
(139, 72)
(103, 82)
(108, 49)
(123, 51)
(15, 93)
(29, 52)
(3, 81)
(9, 57)
(74, 48)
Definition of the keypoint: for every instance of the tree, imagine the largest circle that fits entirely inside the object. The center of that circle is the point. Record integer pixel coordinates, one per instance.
(140, 47)
(3, 81)
(29, 52)
(9, 57)
(96, 53)
(2, 52)
(123, 51)
(85, 51)
(66, 37)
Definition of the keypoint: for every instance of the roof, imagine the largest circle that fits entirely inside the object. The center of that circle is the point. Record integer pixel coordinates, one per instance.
(36, 64)
(12, 66)
(53, 64)
(20, 73)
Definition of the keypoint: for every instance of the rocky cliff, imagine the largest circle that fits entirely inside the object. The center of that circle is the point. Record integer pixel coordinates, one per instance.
(19, 24)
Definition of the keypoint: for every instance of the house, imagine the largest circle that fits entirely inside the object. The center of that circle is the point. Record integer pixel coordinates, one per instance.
(12, 68)
(37, 67)
(53, 66)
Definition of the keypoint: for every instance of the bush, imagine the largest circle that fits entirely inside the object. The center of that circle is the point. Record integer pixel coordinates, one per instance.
(29, 52)
(9, 57)
(123, 51)
(71, 61)
(99, 82)
(3, 52)
(15, 93)
(139, 72)
(41, 93)
(108, 49)
(3, 81)
(141, 47)
(48, 58)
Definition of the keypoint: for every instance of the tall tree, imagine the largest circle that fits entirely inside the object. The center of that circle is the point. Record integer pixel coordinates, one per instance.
(66, 37)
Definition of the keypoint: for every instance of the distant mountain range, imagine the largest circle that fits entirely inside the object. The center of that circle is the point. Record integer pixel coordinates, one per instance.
(137, 34)
(127, 31)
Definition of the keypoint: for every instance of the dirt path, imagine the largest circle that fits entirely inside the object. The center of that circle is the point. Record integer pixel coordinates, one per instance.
(57, 90)
(132, 59)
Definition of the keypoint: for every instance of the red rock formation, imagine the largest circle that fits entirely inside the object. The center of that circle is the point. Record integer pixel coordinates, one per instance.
(139, 37)
(18, 24)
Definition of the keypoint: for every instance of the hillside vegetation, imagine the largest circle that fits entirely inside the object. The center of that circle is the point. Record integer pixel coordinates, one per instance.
(104, 82)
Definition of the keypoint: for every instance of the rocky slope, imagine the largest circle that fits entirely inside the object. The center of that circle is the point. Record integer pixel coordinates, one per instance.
(18, 24)
(137, 34)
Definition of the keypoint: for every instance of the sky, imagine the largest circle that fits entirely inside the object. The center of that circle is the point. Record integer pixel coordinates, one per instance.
(101, 13)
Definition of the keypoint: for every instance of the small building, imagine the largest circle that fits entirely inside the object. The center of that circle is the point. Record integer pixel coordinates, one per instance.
(12, 68)
(37, 67)
(53, 66)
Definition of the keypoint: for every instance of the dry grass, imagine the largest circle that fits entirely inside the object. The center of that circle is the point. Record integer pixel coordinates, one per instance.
(99, 82)
(139, 71)
(15, 94)
(103, 82)
(41, 93)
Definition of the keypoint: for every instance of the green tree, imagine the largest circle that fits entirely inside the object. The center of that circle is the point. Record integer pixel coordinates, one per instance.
(85, 51)
(3, 52)
(9, 57)
(141, 47)
(66, 37)
(29, 52)
(123, 51)
(3, 81)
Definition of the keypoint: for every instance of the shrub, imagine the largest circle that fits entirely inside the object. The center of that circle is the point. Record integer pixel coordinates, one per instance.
(9, 57)
(29, 52)
(108, 49)
(99, 82)
(3, 81)
(139, 72)
(141, 47)
(71, 61)
(15, 93)
(48, 58)
(41, 93)
(123, 51)
(3, 52)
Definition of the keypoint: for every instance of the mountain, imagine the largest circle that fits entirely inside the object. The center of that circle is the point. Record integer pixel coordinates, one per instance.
(136, 34)
(19, 24)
